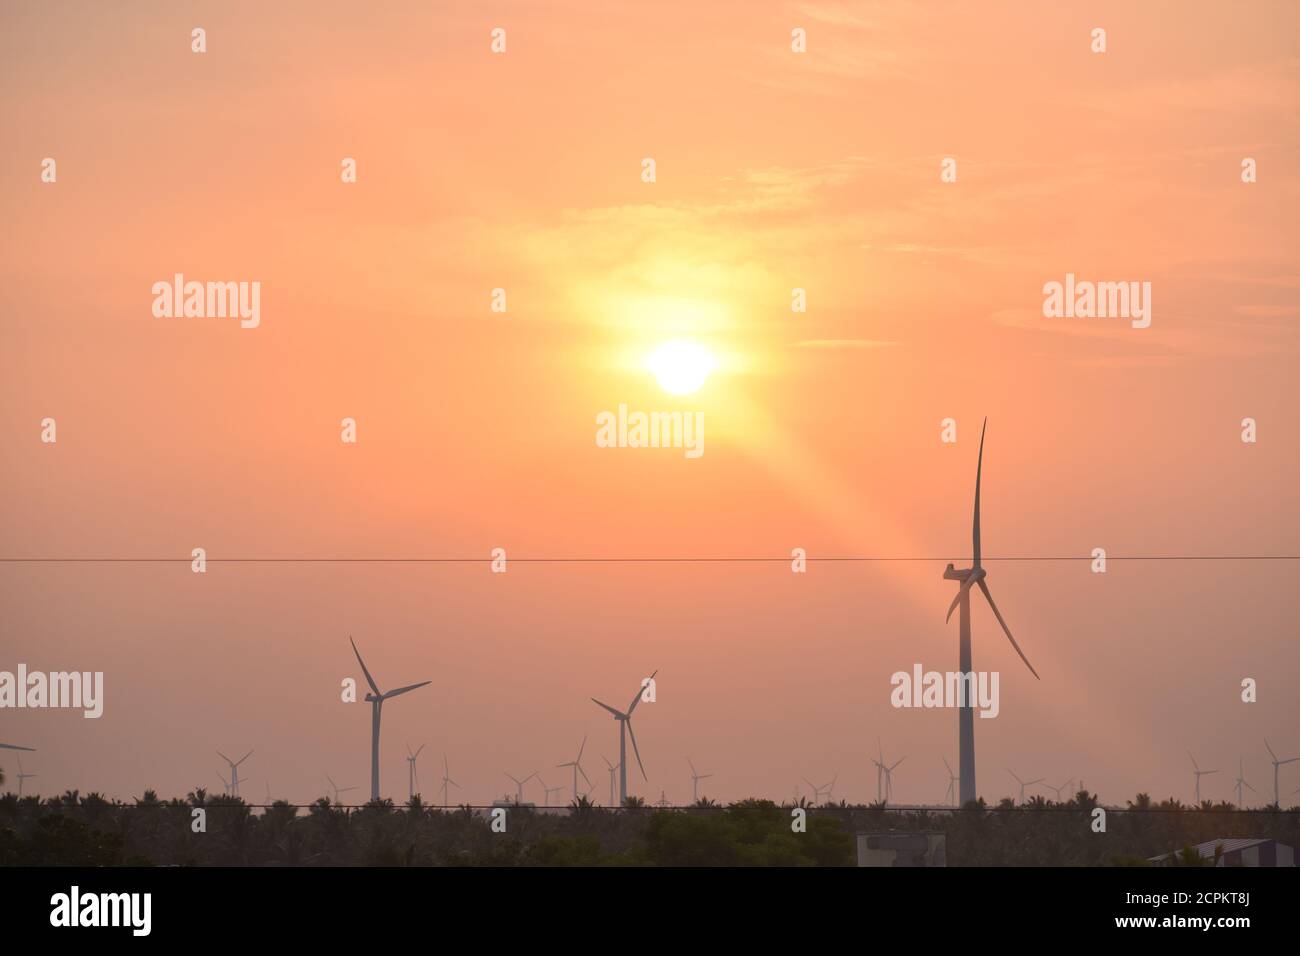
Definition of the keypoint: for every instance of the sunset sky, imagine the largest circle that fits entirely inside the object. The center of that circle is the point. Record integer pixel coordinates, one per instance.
(774, 170)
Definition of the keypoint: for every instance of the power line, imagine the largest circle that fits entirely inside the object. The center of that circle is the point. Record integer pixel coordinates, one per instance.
(700, 559)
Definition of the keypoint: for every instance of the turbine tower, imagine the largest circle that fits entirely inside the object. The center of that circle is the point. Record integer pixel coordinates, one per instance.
(1277, 763)
(337, 789)
(1024, 783)
(884, 772)
(970, 577)
(696, 777)
(1241, 781)
(951, 795)
(576, 764)
(1199, 774)
(612, 767)
(233, 786)
(519, 785)
(376, 699)
(413, 776)
(624, 719)
(446, 780)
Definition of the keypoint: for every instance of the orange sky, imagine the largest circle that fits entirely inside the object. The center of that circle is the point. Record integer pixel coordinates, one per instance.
(774, 170)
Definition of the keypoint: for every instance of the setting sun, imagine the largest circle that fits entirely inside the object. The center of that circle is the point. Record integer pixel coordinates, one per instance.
(681, 367)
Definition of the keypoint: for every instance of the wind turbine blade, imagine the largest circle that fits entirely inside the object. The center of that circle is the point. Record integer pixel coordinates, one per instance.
(998, 614)
(694, 772)
(979, 468)
(530, 777)
(1269, 749)
(635, 750)
(1013, 773)
(945, 763)
(15, 747)
(369, 680)
(578, 759)
(224, 757)
(1249, 787)
(1280, 762)
(900, 760)
(637, 699)
(243, 758)
(584, 776)
(616, 713)
(403, 690)
(1193, 759)
(331, 780)
(422, 746)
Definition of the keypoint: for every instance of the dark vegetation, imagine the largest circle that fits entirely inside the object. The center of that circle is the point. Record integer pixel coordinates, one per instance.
(76, 830)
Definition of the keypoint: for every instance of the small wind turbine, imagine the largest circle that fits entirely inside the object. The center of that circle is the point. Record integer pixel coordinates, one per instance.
(1241, 781)
(612, 768)
(576, 764)
(1199, 774)
(1277, 763)
(550, 790)
(624, 719)
(1057, 790)
(519, 785)
(696, 777)
(413, 776)
(662, 801)
(233, 789)
(817, 791)
(884, 772)
(446, 780)
(951, 795)
(1024, 783)
(376, 699)
(337, 789)
(22, 776)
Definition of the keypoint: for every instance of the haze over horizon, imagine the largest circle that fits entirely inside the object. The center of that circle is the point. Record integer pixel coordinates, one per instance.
(475, 429)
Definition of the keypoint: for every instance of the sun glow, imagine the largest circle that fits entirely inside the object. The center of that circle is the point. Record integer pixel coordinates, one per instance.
(681, 366)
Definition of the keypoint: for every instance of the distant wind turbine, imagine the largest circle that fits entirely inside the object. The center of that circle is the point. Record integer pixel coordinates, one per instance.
(20, 775)
(1277, 763)
(624, 719)
(446, 780)
(1057, 790)
(612, 767)
(376, 699)
(1024, 783)
(1196, 769)
(970, 577)
(1241, 781)
(576, 764)
(885, 771)
(951, 795)
(413, 776)
(233, 787)
(696, 777)
(818, 791)
(337, 789)
(519, 785)
(551, 790)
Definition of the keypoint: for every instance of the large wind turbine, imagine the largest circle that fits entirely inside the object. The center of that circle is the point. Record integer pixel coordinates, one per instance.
(376, 699)
(22, 776)
(624, 729)
(234, 771)
(1024, 783)
(576, 764)
(1196, 769)
(413, 777)
(1277, 763)
(446, 780)
(612, 767)
(970, 577)
(696, 777)
(519, 785)
(885, 771)
(1241, 781)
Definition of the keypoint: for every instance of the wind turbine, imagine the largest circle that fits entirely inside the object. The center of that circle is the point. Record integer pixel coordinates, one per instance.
(624, 729)
(885, 771)
(551, 790)
(234, 772)
(376, 699)
(337, 789)
(970, 577)
(1057, 790)
(519, 785)
(1199, 774)
(817, 791)
(1024, 783)
(1241, 781)
(22, 776)
(951, 795)
(446, 780)
(413, 776)
(612, 767)
(696, 777)
(1277, 763)
(576, 764)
